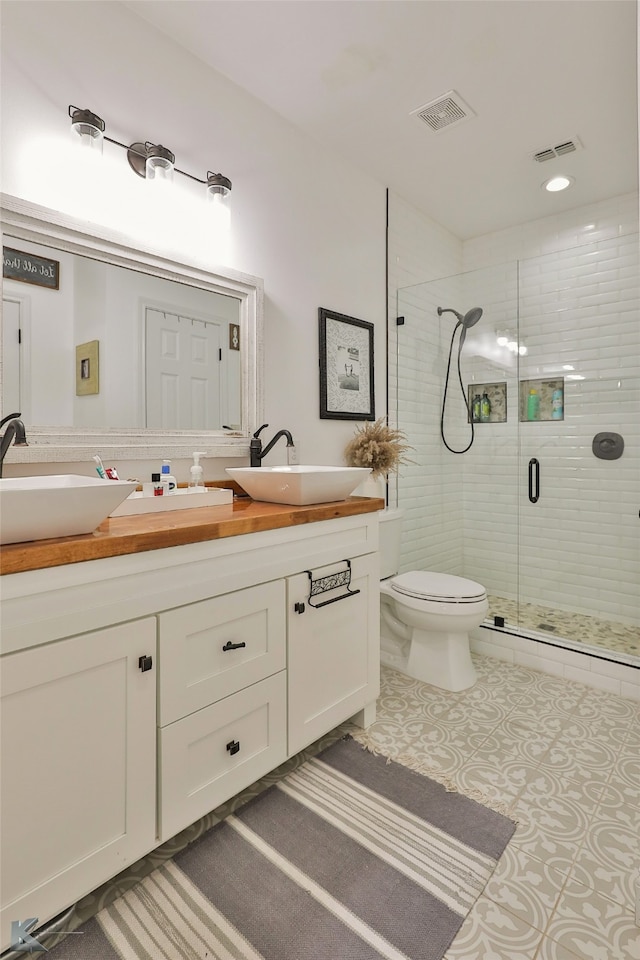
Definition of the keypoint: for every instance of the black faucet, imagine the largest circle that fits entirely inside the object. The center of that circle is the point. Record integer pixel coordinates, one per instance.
(255, 446)
(15, 428)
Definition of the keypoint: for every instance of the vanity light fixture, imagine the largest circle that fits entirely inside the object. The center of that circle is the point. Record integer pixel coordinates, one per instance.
(558, 183)
(149, 160)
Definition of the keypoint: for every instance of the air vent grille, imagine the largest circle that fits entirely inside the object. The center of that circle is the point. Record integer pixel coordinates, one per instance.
(444, 112)
(559, 150)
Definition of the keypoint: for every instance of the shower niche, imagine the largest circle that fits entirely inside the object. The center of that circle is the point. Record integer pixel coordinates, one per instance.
(541, 400)
(493, 394)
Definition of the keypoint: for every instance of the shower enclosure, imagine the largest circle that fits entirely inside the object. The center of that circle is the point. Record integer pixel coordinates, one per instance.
(543, 507)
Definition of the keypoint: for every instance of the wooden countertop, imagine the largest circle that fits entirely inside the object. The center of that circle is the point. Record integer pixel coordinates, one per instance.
(118, 536)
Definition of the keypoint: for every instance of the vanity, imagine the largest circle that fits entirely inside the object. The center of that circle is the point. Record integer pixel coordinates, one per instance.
(154, 669)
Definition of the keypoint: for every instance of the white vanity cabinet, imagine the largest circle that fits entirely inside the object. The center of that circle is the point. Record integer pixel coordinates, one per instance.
(78, 771)
(141, 691)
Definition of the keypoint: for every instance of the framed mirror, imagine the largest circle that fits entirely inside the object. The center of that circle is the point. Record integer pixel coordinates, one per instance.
(112, 349)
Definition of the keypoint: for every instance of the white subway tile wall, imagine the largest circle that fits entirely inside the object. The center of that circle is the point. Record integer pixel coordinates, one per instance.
(576, 295)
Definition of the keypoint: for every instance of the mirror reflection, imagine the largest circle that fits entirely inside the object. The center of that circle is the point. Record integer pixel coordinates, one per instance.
(111, 347)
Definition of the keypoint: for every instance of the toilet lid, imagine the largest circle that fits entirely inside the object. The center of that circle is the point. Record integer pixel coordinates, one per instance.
(442, 587)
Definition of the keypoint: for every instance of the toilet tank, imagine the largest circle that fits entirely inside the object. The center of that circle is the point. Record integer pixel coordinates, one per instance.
(390, 536)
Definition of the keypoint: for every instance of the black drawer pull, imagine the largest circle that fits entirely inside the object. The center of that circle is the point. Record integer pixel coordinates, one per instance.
(145, 663)
(299, 607)
(233, 747)
(233, 646)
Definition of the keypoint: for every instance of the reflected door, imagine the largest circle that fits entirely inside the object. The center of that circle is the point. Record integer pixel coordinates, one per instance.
(183, 372)
(12, 358)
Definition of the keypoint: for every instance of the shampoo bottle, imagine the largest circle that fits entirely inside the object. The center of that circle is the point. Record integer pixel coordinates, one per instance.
(167, 479)
(485, 409)
(196, 481)
(475, 408)
(557, 412)
(533, 405)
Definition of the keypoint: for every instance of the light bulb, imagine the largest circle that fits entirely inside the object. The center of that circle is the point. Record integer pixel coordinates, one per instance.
(159, 163)
(557, 183)
(89, 128)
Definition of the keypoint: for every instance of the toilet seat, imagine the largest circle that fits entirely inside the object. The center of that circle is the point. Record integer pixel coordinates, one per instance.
(438, 587)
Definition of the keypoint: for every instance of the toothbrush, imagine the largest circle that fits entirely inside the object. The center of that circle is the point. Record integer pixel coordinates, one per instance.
(99, 468)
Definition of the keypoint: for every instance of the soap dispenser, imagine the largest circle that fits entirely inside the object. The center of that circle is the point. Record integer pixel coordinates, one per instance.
(196, 482)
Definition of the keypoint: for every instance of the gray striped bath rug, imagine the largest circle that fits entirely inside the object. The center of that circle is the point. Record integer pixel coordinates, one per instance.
(349, 857)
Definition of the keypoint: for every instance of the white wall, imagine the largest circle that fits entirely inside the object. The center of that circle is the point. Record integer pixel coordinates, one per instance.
(311, 226)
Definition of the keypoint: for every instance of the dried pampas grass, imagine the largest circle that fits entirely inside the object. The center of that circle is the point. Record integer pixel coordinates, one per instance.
(378, 446)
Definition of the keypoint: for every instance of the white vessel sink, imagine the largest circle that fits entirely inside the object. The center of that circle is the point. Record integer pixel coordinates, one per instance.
(300, 484)
(37, 508)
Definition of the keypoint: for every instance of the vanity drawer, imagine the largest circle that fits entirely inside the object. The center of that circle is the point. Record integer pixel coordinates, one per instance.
(208, 757)
(214, 648)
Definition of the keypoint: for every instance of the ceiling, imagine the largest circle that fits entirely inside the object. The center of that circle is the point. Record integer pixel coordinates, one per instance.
(351, 73)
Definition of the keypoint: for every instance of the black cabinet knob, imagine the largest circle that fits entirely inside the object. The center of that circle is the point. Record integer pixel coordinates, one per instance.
(299, 607)
(233, 747)
(145, 663)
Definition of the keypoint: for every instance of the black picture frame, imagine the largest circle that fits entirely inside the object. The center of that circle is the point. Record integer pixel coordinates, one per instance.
(346, 367)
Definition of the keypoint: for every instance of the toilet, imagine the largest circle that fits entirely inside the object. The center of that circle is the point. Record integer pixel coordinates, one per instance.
(425, 617)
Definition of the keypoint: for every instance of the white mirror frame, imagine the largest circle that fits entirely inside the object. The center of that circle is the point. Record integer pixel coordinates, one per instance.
(21, 220)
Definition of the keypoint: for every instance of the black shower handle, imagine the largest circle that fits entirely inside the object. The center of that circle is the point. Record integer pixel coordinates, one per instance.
(534, 480)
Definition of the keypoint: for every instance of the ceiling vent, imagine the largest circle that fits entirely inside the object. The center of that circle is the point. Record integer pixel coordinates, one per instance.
(559, 150)
(447, 111)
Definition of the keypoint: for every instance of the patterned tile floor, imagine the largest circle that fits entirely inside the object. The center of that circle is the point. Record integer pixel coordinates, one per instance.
(577, 627)
(561, 759)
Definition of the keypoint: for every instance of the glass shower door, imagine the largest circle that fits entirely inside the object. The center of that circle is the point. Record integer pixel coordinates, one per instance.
(579, 554)
(542, 508)
(461, 509)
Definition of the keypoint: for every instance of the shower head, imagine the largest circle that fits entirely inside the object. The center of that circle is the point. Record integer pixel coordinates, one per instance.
(470, 318)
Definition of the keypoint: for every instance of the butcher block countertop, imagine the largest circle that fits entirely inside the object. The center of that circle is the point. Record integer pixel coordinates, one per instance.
(118, 536)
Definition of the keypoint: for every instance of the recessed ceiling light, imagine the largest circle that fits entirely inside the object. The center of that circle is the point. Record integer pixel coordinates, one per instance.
(558, 183)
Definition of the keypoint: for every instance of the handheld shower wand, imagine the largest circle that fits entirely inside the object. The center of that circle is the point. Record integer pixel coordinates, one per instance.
(470, 318)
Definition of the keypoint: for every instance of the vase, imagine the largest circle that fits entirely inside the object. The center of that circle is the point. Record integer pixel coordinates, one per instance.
(371, 487)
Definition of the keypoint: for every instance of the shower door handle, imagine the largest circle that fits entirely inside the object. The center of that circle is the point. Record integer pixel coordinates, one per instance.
(534, 480)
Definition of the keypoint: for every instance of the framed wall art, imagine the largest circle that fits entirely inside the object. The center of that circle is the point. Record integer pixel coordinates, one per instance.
(87, 368)
(346, 367)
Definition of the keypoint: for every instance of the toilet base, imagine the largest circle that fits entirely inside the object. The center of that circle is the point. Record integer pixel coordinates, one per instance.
(441, 659)
(428, 643)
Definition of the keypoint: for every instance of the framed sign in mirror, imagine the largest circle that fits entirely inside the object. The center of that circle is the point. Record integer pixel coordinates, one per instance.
(346, 367)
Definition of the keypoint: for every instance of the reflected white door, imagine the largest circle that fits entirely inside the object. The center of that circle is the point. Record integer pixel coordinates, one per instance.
(11, 357)
(183, 363)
